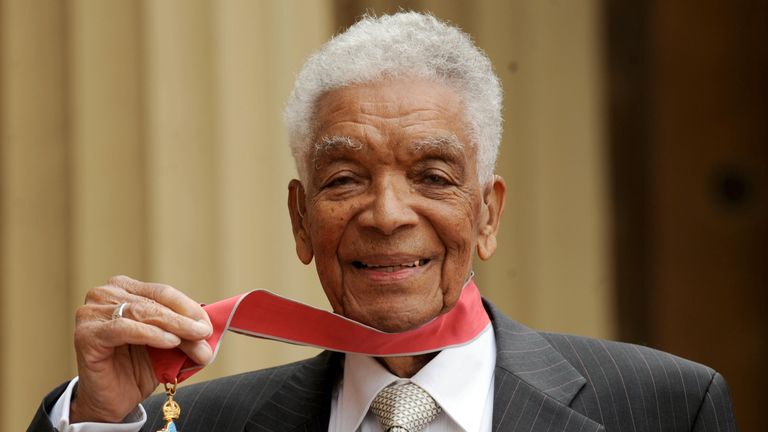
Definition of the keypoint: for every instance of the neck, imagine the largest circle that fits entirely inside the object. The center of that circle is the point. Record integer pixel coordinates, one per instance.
(406, 367)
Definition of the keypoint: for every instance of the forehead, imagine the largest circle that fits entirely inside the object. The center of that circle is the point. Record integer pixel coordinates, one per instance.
(420, 98)
(419, 113)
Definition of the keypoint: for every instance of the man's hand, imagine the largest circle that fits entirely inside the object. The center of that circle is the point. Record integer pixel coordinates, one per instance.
(113, 365)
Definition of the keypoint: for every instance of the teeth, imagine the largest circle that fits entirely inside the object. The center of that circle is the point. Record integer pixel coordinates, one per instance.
(390, 268)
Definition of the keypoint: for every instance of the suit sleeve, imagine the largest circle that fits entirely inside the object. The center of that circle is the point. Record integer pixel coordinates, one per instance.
(716, 411)
(41, 422)
(49, 417)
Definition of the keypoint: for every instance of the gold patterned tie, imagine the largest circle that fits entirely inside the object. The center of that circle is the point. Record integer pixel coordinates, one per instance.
(404, 408)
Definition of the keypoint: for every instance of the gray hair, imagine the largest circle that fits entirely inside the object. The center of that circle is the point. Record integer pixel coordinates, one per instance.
(403, 44)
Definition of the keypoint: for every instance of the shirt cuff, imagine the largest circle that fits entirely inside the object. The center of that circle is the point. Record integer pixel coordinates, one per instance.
(60, 417)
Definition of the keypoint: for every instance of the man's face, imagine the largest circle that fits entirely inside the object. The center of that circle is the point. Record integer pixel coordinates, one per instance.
(393, 210)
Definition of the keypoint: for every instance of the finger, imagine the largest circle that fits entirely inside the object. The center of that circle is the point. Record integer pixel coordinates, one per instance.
(165, 295)
(105, 294)
(155, 314)
(119, 332)
(199, 351)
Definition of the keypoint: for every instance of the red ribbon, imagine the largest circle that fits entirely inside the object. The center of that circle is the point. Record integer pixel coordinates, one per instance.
(266, 315)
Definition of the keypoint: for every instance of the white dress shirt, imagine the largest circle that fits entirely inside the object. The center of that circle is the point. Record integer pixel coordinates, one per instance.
(60, 417)
(460, 379)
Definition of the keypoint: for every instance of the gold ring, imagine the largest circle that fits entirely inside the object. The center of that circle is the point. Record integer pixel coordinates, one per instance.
(118, 312)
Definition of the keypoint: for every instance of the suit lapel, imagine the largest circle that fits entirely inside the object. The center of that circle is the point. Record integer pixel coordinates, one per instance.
(303, 402)
(533, 384)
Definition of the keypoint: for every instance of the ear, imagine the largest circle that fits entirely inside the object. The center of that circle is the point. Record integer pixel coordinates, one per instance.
(494, 195)
(297, 207)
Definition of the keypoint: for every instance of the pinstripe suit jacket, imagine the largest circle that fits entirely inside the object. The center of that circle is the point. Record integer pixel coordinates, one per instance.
(543, 382)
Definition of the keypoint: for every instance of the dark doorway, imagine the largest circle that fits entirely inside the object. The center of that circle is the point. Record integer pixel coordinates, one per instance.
(688, 131)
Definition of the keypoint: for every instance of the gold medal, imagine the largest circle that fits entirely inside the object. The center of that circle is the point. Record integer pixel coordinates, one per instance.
(171, 409)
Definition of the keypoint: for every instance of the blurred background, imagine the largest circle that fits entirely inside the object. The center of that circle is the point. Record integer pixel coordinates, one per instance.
(145, 138)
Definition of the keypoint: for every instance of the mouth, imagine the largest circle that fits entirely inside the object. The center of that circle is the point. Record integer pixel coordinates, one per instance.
(390, 267)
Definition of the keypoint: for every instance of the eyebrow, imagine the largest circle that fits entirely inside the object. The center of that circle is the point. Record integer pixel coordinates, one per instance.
(446, 145)
(443, 143)
(328, 144)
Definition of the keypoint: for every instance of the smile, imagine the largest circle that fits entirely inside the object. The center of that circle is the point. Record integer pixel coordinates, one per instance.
(390, 267)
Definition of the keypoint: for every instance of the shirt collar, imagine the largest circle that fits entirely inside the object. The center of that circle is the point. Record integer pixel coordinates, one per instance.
(458, 379)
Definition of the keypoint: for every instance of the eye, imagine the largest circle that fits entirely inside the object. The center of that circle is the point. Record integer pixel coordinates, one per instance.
(338, 181)
(436, 179)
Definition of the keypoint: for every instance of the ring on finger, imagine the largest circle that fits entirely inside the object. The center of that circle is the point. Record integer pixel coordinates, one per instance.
(118, 312)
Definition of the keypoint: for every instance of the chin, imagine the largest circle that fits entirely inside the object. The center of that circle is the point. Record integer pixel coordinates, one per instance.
(395, 320)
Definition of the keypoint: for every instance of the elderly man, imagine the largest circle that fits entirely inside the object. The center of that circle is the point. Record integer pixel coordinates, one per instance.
(395, 127)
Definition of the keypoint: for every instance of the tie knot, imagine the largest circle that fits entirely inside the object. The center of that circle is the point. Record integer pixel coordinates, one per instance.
(404, 408)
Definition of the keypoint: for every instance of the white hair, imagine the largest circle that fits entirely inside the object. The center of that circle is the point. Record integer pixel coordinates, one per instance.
(403, 44)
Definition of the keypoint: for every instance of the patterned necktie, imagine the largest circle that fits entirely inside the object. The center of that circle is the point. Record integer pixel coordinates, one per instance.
(404, 408)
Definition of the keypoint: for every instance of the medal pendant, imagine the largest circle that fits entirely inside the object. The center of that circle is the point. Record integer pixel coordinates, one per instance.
(171, 409)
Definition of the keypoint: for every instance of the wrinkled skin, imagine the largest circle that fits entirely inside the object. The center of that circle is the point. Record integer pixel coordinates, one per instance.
(392, 210)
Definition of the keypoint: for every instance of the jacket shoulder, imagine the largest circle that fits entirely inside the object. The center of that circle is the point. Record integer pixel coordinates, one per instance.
(653, 389)
(614, 358)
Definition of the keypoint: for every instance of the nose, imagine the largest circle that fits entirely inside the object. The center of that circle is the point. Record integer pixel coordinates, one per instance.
(390, 208)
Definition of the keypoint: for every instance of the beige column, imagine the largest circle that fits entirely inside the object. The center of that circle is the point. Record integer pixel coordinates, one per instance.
(552, 270)
(260, 46)
(107, 149)
(34, 237)
(181, 118)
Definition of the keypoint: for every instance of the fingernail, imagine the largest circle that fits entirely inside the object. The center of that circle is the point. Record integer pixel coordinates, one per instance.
(172, 338)
(203, 352)
(203, 328)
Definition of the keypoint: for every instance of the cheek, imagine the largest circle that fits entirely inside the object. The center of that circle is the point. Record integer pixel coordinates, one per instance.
(328, 225)
(326, 228)
(328, 220)
(457, 225)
